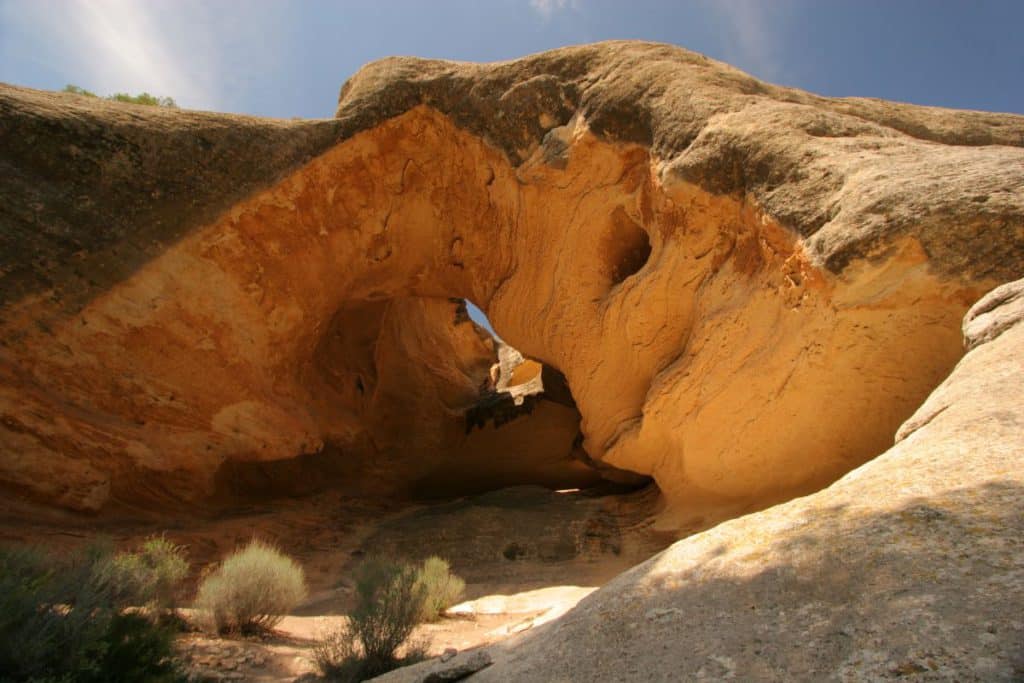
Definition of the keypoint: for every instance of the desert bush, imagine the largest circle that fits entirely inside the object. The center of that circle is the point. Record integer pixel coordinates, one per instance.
(166, 570)
(338, 655)
(63, 621)
(252, 589)
(441, 588)
(151, 577)
(389, 605)
(30, 631)
(134, 648)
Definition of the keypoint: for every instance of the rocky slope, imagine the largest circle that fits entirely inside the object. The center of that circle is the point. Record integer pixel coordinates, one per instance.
(747, 288)
(910, 567)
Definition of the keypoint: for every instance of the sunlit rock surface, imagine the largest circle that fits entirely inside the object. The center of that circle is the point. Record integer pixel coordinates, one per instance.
(746, 288)
(911, 567)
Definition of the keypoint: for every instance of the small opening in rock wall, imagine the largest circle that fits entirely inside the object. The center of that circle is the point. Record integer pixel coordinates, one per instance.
(512, 375)
(480, 318)
(626, 247)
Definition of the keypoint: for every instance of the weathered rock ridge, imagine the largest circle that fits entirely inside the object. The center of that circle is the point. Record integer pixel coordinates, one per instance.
(747, 288)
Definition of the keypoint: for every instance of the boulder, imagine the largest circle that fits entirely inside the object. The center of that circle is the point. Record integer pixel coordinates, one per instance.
(456, 667)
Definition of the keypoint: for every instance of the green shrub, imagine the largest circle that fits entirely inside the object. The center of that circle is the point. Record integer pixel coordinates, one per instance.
(441, 588)
(338, 656)
(166, 570)
(252, 589)
(389, 606)
(142, 98)
(63, 621)
(136, 649)
(30, 630)
(390, 600)
(75, 90)
(150, 578)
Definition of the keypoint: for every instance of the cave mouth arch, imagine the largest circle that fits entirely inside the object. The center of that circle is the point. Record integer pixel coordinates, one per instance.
(423, 400)
(726, 317)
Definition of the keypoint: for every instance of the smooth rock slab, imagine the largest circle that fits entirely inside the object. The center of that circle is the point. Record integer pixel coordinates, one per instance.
(911, 567)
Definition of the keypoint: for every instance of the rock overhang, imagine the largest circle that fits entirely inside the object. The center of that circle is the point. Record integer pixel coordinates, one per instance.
(747, 287)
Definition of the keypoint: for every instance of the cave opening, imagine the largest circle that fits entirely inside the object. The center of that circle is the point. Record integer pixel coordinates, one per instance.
(521, 427)
(491, 449)
(421, 399)
(626, 247)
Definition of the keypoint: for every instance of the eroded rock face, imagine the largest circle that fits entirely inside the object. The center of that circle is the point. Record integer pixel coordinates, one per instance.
(747, 288)
(910, 566)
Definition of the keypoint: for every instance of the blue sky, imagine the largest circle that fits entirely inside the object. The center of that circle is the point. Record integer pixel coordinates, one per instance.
(279, 58)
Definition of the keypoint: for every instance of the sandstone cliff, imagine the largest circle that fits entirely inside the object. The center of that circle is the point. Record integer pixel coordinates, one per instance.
(910, 567)
(747, 288)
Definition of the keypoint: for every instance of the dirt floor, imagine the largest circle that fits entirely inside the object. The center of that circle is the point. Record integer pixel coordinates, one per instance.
(527, 555)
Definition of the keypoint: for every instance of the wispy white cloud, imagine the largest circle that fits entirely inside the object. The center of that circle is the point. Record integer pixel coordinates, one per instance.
(123, 45)
(547, 8)
(752, 30)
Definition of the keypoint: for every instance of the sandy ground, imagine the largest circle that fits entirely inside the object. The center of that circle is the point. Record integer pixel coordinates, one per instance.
(527, 554)
(286, 653)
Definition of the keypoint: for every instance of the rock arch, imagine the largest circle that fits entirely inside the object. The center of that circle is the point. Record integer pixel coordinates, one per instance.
(747, 288)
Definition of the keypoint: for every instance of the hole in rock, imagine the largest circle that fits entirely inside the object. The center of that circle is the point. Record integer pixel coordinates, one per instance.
(479, 317)
(420, 399)
(626, 247)
(513, 551)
